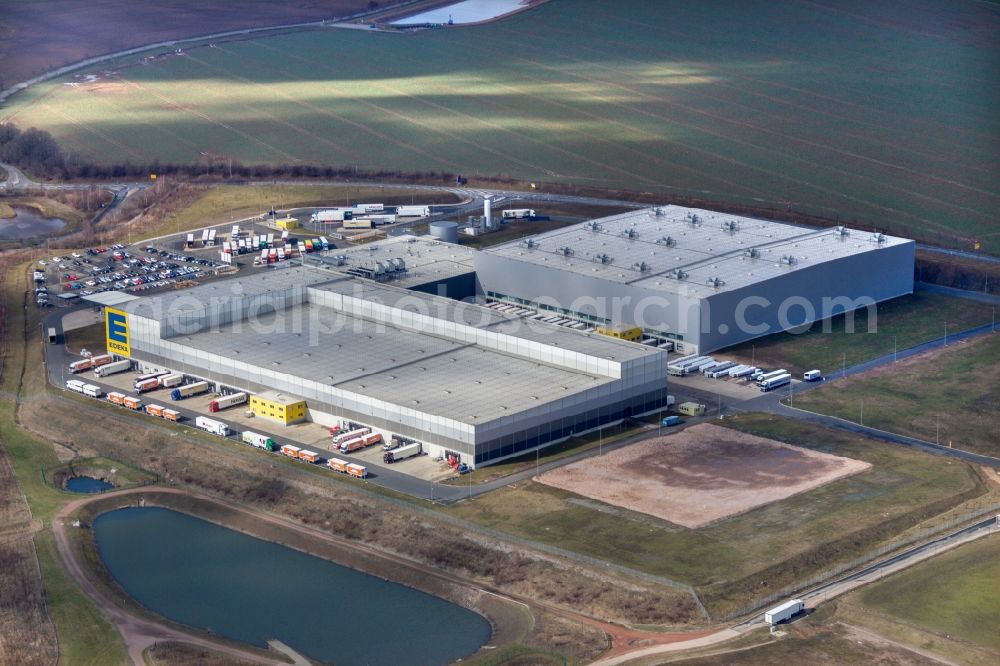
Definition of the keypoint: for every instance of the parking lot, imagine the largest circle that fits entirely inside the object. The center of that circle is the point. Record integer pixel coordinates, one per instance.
(131, 269)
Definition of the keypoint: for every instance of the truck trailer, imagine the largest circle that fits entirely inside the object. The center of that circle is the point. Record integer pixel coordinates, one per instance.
(81, 366)
(361, 442)
(775, 382)
(784, 612)
(413, 211)
(290, 451)
(337, 465)
(75, 385)
(334, 215)
(113, 368)
(188, 390)
(518, 213)
(771, 375)
(342, 437)
(308, 456)
(171, 380)
(402, 453)
(357, 471)
(92, 391)
(148, 385)
(211, 425)
(227, 401)
(258, 441)
(103, 359)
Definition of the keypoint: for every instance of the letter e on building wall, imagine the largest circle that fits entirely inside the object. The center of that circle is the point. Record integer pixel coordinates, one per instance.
(116, 332)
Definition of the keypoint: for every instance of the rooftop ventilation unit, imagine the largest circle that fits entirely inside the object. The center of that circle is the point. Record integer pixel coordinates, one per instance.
(603, 258)
(694, 220)
(631, 234)
(657, 212)
(678, 274)
(666, 240)
(879, 238)
(642, 267)
(566, 250)
(731, 226)
(842, 231)
(789, 260)
(751, 253)
(594, 226)
(529, 243)
(715, 282)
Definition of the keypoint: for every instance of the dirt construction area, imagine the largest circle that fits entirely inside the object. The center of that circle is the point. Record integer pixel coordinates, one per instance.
(701, 474)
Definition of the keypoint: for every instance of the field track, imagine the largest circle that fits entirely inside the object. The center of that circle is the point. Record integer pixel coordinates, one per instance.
(836, 109)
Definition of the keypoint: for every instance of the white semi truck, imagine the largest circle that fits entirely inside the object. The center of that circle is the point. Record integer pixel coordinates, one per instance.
(413, 211)
(402, 453)
(211, 425)
(112, 368)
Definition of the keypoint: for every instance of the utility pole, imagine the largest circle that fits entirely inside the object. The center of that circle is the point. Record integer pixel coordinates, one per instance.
(537, 468)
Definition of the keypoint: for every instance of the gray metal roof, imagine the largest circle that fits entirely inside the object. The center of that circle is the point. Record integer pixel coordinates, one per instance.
(112, 299)
(592, 344)
(711, 250)
(250, 282)
(427, 259)
(464, 382)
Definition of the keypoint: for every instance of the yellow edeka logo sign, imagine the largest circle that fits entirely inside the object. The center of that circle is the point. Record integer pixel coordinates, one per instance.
(116, 329)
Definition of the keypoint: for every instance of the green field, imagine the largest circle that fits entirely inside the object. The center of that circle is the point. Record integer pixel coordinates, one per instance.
(842, 109)
(952, 596)
(830, 344)
(952, 395)
(754, 554)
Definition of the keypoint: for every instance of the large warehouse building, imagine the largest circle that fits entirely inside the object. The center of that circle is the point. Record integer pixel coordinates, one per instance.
(460, 378)
(700, 279)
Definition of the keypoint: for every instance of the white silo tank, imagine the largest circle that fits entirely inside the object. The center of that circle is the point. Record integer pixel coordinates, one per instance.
(487, 217)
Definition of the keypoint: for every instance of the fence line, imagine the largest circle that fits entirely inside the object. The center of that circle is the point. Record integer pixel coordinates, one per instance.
(867, 558)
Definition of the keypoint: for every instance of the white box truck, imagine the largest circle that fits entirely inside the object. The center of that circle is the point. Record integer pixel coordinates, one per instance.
(812, 375)
(211, 425)
(75, 385)
(92, 391)
(785, 611)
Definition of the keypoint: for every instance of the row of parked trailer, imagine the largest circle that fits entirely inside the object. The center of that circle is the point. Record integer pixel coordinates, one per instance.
(266, 443)
(346, 442)
(766, 380)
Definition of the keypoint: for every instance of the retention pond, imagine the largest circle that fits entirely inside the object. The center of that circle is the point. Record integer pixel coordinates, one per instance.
(216, 579)
(87, 484)
(29, 223)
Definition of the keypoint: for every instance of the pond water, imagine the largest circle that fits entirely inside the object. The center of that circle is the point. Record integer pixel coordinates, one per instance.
(87, 484)
(247, 589)
(29, 223)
